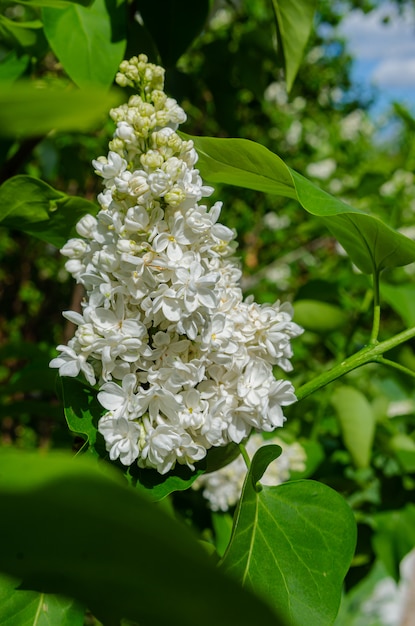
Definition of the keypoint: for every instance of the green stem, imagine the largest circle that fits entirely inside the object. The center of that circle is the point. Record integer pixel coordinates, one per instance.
(369, 354)
(245, 455)
(397, 366)
(376, 309)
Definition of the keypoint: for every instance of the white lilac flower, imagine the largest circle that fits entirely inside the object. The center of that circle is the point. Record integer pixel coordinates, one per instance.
(222, 489)
(180, 361)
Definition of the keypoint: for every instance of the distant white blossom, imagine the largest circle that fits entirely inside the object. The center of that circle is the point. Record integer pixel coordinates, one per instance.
(322, 169)
(222, 489)
(180, 361)
(389, 604)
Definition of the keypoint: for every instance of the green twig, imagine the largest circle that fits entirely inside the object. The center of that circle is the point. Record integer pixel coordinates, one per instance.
(369, 354)
(397, 366)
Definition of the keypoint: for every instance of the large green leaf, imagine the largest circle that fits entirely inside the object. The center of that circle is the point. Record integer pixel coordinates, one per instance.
(173, 24)
(293, 544)
(30, 205)
(357, 422)
(294, 19)
(72, 527)
(88, 41)
(52, 108)
(371, 244)
(19, 607)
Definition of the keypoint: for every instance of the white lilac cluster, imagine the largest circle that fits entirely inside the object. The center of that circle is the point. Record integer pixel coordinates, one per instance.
(222, 489)
(182, 363)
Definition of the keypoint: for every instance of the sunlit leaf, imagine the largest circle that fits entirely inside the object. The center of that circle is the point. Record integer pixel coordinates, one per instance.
(293, 544)
(357, 422)
(72, 527)
(88, 41)
(19, 607)
(30, 205)
(294, 19)
(61, 109)
(371, 244)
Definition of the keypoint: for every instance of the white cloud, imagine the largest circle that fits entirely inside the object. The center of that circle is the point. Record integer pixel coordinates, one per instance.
(395, 73)
(388, 49)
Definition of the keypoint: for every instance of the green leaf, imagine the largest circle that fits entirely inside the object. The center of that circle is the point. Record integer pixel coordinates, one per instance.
(357, 423)
(403, 447)
(371, 244)
(30, 205)
(294, 19)
(52, 108)
(394, 537)
(82, 413)
(401, 299)
(222, 526)
(157, 486)
(73, 528)
(317, 316)
(243, 163)
(19, 607)
(293, 544)
(314, 457)
(88, 41)
(21, 34)
(173, 25)
(12, 66)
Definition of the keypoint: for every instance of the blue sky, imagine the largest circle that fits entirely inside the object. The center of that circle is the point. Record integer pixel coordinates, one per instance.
(384, 53)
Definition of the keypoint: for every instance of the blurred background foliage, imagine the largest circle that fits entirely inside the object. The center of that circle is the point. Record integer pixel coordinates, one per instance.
(225, 68)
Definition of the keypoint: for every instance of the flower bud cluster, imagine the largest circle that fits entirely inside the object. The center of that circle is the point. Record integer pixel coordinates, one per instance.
(181, 361)
(222, 489)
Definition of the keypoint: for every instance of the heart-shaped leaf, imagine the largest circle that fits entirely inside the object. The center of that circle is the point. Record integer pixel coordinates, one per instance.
(371, 244)
(292, 544)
